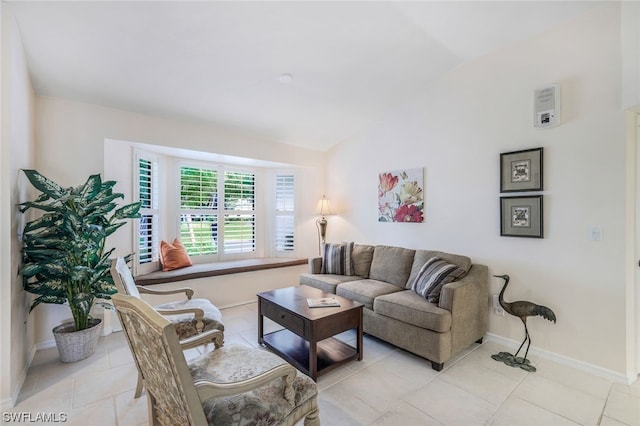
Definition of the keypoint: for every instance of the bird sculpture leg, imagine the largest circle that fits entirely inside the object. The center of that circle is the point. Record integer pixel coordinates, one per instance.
(524, 360)
(525, 364)
(526, 337)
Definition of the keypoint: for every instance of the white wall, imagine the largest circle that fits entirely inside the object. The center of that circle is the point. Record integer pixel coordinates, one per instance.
(16, 152)
(456, 128)
(630, 41)
(71, 137)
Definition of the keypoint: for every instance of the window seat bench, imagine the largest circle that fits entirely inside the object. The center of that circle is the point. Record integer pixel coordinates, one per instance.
(217, 268)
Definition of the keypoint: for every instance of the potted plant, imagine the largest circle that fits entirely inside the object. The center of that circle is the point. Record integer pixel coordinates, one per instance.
(64, 259)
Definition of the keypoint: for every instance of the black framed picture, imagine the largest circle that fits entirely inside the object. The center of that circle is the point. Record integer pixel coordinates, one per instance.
(521, 216)
(521, 170)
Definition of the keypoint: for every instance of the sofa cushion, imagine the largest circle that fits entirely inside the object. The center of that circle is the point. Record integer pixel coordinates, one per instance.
(409, 307)
(325, 282)
(361, 257)
(365, 291)
(422, 256)
(433, 275)
(392, 265)
(336, 259)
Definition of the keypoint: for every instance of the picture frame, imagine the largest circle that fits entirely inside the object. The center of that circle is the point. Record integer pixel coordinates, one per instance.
(401, 196)
(521, 170)
(521, 216)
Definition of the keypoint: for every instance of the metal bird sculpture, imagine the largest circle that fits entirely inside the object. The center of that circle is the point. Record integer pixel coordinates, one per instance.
(521, 309)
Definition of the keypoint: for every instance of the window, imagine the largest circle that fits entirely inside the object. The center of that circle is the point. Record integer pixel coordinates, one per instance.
(284, 233)
(147, 194)
(201, 213)
(218, 211)
(239, 212)
(199, 210)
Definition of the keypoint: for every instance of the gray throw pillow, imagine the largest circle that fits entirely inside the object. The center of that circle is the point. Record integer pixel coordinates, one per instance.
(337, 259)
(434, 274)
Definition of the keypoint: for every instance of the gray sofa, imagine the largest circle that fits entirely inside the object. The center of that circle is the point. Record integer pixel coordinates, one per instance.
(382, 280)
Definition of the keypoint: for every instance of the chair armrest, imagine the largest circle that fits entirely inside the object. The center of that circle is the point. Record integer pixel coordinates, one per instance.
(186, 290)
(197, 312)
(315, 265)
(210, 336)
(207, 390)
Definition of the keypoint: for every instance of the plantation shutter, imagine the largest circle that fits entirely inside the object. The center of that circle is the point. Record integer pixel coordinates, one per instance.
(285, 213)
(199, 210)
(148, 223)
(239, 212)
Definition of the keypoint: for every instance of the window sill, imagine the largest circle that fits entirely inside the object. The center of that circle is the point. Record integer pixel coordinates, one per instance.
(214, 269)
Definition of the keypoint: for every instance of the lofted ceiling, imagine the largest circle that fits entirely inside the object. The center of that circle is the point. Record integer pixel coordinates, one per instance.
(303, 73)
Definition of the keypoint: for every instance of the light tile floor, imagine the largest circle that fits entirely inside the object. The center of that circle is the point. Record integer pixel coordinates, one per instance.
(389, 387)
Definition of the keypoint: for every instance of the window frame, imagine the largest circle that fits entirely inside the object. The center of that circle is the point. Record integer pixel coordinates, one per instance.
(277, 214)
(154, 211)
(220, 211)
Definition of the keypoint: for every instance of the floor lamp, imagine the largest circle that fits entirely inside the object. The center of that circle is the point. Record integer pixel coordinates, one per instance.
(324, 209)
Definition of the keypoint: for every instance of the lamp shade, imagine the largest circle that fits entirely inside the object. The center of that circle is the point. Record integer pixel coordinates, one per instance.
(324, 207)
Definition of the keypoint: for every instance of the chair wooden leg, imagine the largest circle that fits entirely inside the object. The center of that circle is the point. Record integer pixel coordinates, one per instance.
(138, 387)
(151, 409)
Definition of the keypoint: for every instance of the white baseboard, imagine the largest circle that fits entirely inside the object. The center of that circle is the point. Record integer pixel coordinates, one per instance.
(46, 344)
(8, 403)
(234, 305)
(564, 360)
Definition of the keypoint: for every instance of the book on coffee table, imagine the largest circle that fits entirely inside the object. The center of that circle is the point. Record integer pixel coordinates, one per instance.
(323, 302)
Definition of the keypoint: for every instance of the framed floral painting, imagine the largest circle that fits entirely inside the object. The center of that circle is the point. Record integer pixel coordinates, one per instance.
(401, 196)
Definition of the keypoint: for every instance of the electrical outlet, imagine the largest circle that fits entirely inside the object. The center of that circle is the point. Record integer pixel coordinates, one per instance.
(497, 309)
(595, 233)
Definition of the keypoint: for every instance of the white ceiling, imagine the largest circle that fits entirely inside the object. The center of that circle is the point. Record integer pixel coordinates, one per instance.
(220, 62)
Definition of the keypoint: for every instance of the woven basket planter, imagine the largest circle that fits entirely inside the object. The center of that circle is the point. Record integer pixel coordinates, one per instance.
(76, 345)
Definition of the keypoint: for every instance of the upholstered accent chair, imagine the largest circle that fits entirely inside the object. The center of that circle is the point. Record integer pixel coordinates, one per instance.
(229, 385)
(190, 316)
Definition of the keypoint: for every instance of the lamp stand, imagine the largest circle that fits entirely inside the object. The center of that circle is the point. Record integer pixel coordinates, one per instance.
(321, 224)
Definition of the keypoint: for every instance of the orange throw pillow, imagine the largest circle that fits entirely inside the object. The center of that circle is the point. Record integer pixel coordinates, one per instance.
(173, 256)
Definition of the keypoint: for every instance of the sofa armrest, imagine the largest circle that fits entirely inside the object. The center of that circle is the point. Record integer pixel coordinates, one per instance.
(315, 265)
(468, 302)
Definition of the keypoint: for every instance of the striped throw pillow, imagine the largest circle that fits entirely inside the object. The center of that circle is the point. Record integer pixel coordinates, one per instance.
(336, 259)
(348, 259)
(434, 274)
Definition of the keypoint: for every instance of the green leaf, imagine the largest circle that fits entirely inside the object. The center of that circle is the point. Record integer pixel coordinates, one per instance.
(47, 299)
(72, 223)
(55, 269)
(50, 287)
(49, 207)
(100, 211)
(101, 201)
(94, 233)
(112, 228)
(107, 185)
(44, 184)
(130, 211)
(80, 274)
(92, 187)
(104, 289)
(40, 253)
(30, 270)
(42, 222)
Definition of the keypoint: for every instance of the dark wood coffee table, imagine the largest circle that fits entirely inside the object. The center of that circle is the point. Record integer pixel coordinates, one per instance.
(307, 339)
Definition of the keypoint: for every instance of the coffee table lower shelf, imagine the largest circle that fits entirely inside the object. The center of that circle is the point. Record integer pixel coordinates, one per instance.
(332, 352)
